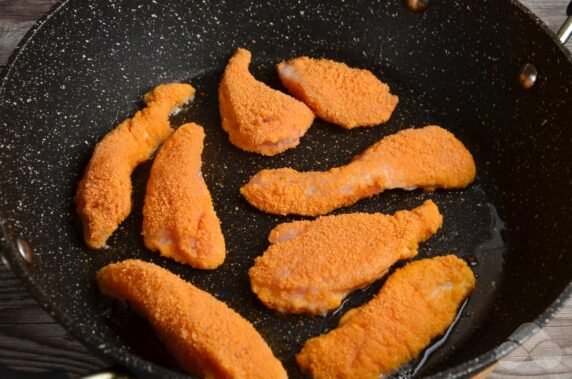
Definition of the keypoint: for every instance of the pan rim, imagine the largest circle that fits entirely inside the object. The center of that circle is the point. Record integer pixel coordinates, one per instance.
(567, 53)
(21, 46)
(133, 362)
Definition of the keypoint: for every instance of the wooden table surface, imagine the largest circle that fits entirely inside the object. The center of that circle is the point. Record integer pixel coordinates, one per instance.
(31, 340)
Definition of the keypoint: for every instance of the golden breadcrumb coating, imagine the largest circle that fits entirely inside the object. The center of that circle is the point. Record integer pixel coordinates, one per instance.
(311, 266)
(179, 219)
(337, 93)
(416, 304)
(256, 117)
(103, 198)
(427, 158)
(203, 334)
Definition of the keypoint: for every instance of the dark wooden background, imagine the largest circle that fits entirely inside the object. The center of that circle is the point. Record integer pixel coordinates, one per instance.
(31, 340)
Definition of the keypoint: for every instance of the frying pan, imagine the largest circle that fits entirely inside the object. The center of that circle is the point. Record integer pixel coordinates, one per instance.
(85, 66)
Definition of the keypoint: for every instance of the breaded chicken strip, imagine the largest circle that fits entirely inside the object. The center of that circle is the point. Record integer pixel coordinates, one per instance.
(337, 93)
(256, 117)
(204, 335)
(416, 304)
(179, 220)
(103, 198)
(427, 158)
(311, 266)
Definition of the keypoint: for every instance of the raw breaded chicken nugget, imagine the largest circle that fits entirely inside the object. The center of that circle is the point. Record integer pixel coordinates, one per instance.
(179, 219)
(103, 198)
(416, 304)
(205, 336)
(311, 266)
(427, 158)
(337, 93)
(256, 117)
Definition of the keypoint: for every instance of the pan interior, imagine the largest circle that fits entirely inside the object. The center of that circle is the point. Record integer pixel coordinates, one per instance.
(88, 66)
(226, 168)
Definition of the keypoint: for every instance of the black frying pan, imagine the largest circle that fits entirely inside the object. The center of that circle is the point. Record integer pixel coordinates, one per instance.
(85, 66)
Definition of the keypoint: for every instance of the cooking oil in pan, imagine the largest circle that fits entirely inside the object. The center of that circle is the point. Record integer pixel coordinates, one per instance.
(412, 369)
(440, 342)
(486, 260)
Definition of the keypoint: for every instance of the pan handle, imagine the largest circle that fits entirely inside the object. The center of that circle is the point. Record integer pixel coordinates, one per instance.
(565, 30)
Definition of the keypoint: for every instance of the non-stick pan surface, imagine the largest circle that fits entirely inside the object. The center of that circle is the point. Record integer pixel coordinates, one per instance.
(85, 66)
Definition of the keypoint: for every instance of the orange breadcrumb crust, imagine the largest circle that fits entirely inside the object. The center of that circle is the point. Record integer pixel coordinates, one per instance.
(103, 198)
(428, 158)
(256, 117)
(416, 304)
(337, 93)
(178, 216)
(204, 335)
(311, 266)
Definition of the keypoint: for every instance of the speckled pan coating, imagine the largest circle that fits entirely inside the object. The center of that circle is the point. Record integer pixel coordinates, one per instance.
(84, 67)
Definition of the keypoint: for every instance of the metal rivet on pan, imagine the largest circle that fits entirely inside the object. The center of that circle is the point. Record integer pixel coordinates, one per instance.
(528, 76)
(25, 250)
(107, 375)
(417, 5)
(5, 261)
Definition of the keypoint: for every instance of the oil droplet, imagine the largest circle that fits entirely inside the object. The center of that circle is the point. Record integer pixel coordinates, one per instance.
(25, 249)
